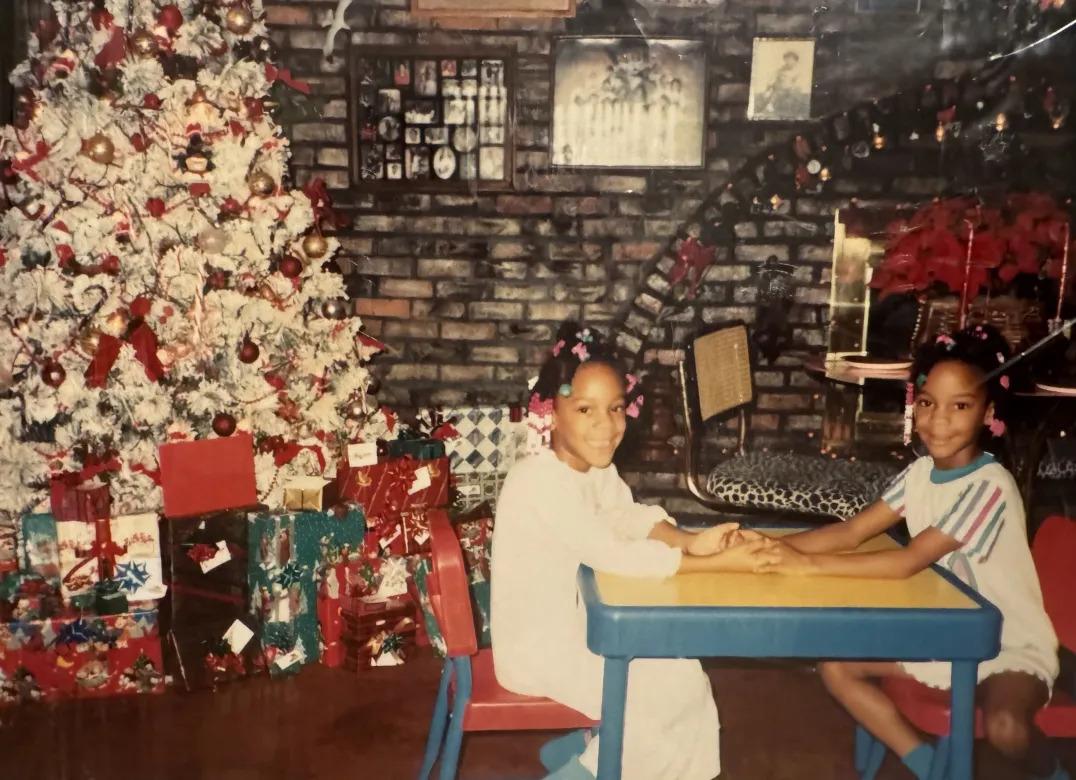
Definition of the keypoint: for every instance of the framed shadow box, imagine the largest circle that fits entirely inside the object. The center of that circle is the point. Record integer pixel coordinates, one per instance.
(431, 119)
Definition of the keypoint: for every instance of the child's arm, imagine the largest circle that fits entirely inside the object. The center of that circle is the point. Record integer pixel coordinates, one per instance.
(712, 540)
(926, 548)
(835, 537)
(751, 555)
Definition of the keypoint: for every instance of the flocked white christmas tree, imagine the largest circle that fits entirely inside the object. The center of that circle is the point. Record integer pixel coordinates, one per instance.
(160, 279)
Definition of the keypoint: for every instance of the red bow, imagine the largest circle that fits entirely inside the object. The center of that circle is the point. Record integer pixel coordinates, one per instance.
(274, 73)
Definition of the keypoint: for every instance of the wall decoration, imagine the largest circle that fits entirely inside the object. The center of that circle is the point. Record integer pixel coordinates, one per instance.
(431, 120)
(629, 102)
(782, 71)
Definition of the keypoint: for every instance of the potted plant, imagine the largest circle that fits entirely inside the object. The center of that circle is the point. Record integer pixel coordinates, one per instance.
(959, 250)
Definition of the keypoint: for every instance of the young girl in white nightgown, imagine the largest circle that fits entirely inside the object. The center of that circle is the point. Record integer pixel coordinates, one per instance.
(565, 506)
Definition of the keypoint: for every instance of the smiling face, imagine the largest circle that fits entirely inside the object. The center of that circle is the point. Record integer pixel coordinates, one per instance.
(950, 411)
(589, 424)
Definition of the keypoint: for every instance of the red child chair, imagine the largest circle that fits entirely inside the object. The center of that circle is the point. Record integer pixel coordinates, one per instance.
(478, 703)
(1054, 552)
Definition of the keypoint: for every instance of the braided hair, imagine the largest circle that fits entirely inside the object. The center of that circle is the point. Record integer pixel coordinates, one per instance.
(983, 348)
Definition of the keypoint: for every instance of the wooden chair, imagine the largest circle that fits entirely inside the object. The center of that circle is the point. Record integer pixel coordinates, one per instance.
(715, 380)
(469, 697)
(926, 708)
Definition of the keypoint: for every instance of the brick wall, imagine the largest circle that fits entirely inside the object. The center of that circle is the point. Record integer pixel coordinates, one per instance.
(467, 289)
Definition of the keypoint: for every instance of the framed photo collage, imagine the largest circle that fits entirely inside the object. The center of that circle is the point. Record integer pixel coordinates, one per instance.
(435, 120)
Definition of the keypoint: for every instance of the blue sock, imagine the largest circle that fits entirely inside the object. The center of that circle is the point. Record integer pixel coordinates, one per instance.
(1059, 773)
(919, 760)
(572, 770)
(559, 751)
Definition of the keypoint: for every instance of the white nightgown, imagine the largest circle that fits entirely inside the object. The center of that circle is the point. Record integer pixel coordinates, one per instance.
(550, 519)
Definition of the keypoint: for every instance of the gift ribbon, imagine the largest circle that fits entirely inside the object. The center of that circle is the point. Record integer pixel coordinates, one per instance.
(285, 452)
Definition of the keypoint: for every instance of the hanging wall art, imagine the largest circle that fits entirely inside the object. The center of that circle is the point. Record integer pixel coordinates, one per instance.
(626, 102)
(782, 72)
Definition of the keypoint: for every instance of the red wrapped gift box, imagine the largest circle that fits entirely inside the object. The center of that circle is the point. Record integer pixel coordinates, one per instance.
(66, 657)
(395, 485)
(405, 533)
(208, 475)
(70, 500)
(378, 633)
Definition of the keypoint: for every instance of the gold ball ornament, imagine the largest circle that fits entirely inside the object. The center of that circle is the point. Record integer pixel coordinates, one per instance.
(261, 184)
(143, 44)
(212, 240)
(89, 341)
(315, 246)
(334, 309)
(99, 148)
(167, 356)
(356, 410)
(117, 322)
(239, 20)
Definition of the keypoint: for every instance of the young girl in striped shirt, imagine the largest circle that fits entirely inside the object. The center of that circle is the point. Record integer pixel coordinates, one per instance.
(965, 513)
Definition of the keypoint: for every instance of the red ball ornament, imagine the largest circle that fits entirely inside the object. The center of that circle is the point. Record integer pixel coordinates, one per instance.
(53, 374)
(217, 280)
(248, 351)
(223, 424)
(170, 18)
(111, 265)
(290, 266)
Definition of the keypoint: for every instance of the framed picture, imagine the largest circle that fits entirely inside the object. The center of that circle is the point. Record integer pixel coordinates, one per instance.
(782, 73)
(431, 119)
(629, 102)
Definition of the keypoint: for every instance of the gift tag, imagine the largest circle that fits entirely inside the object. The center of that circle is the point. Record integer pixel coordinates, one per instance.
(294, 656)
(220, 557)
(237, 636)
(422, 481)
(363, 453)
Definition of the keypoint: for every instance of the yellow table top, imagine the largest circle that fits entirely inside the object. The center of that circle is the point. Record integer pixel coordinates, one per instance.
(927, 590)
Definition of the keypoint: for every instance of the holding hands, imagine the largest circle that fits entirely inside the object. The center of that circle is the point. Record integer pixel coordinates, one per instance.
(720, 538)
(749, 551)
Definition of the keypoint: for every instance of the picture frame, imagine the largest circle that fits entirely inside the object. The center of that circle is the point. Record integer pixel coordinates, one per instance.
(782, 77)
(629, 102)
(431, 119)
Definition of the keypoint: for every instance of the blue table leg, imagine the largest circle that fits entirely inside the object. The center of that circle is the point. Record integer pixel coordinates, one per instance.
(611, 731)
(962, 721)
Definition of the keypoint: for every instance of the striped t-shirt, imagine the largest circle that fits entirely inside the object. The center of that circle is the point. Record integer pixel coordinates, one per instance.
(979, 506)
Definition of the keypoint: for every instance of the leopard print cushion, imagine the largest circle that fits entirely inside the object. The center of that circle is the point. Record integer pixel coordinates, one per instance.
(800, 483)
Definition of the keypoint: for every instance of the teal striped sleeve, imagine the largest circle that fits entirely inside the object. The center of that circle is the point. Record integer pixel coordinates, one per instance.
(976, 517)
(893, 495)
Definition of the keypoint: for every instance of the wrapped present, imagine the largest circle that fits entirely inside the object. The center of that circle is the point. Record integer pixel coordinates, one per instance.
(72, 499)
(208, 475)
(208, 568)
(109, 598)
(9, 547)
(309, 494)
(395, 485)
(490, 438)
(472, 490)
(476, 542)
(39, 551)
(289, 556)
(28, 596)
(380, 633)
(330, 622)
(405, 533)
(78, 656)
(421, 593)
(125, 549)
(378, 578)
(208, 655)
(419, 449)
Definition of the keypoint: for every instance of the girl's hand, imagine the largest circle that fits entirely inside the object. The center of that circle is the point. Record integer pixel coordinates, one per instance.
(713, 540)
(751, 556)
(720, 537)
(785, 559)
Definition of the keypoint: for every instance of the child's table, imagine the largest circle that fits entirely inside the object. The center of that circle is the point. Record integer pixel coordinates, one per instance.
(931, 616)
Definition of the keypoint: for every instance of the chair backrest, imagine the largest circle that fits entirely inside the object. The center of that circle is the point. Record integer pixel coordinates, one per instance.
(450, 592)
(1054, 551)
(722, 365)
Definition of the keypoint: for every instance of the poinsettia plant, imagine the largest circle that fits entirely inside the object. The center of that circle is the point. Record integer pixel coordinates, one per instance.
(953, 237)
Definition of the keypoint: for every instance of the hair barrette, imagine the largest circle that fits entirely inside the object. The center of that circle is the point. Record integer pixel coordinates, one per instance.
(580, 351)
(564, 390)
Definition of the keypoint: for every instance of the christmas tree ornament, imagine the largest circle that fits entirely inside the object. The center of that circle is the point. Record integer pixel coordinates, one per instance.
(261, 184)
(290, 266)
(825, 174)
(143, 44)
(356, 409)
(248, 351)
(110, 265)
(223, 424)
(99, 148)
(217, 280)
(334, 309)
(170, 18)
(88, 341)
(940, 132)
(878, 141)
(239, 19)
(212, 240)
(196, 163)
(117, 322)
(53, 374)
(315, 246)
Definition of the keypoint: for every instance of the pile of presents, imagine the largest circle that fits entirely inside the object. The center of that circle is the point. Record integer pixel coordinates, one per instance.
(219, 588)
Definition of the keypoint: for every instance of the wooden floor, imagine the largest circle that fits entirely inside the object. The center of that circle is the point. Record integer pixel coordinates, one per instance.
(777, 724)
